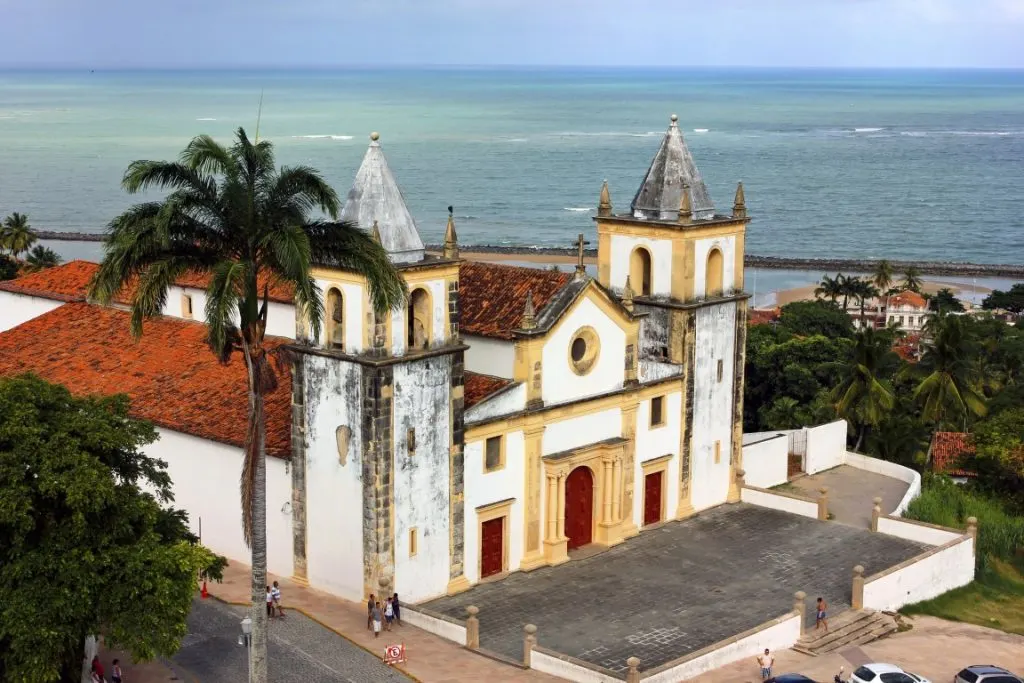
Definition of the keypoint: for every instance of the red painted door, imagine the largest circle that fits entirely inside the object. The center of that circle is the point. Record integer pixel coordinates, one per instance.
(492, 545)
(652, 498)
(579, 507)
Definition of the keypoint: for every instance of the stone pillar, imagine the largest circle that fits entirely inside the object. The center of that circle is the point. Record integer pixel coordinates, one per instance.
(823, 503)
(561, 505)
(617, 490)
(552, 509)
(529, 640)
(298, 471)
(857, 599)
(633, 674)
(972, 530)
(536, 491)
(606, 503)
(800, 609)
(876, 512)
(472, 627)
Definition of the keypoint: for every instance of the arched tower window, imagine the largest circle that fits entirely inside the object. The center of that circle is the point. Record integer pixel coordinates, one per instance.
(335, 314)
(418, 319)
(640, 271)
(714, 274)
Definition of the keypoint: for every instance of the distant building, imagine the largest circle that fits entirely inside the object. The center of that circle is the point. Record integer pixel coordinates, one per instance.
(906, 311)
(763, 316)
(952, 453)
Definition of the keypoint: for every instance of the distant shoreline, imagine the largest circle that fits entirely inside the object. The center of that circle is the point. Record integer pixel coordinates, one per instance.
(564, 255)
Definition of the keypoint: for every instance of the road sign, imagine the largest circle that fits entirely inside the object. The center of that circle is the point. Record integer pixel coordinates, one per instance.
(394, 654)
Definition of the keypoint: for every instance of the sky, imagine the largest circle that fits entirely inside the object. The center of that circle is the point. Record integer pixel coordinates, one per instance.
(325, 33)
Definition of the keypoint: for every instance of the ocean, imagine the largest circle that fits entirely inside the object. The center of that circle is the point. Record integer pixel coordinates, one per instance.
(866, 164)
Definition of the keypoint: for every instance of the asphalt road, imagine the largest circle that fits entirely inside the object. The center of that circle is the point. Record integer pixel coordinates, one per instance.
(301, 650)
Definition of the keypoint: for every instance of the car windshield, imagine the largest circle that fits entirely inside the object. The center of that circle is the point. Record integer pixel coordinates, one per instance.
(896, 677)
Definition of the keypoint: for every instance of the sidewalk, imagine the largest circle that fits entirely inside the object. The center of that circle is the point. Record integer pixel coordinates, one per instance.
(431, 659)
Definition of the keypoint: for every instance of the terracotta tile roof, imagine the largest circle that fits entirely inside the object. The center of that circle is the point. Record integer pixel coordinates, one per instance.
(493, 295)
(70, 282)
(907, 298)
(478, 387)
(759, 316)
(948, 451)
(170, 374)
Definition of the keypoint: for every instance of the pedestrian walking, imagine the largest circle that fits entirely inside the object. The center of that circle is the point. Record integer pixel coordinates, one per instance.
(275, 594)
(369, 612)
(97, 670)
(270, 603)
(389, 614)
(822, 615)
(115, 671)
(766, 662)
(397, 608)
(375, 615)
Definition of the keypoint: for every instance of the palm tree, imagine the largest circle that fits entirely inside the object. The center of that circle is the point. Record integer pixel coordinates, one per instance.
(17, 236)
(231, 214)
(845, 285)
(862, 396)
(912, 279)
(862, 290)
(42, 257)
(881, 278)
(830, 288)
(948, 388)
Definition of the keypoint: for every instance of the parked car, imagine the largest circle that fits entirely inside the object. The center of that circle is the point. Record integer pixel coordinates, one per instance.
(790, 678)
(885, 673)
(986, 673)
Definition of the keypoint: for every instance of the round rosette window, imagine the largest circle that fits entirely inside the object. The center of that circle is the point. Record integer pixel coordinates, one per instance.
(583, 350)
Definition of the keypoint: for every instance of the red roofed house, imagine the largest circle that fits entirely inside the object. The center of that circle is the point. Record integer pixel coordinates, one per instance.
(950, 453)
(502, 418)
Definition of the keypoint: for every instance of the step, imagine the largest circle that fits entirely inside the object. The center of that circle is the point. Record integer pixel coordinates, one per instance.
(850, 620)
(854, 628)
(860, 639)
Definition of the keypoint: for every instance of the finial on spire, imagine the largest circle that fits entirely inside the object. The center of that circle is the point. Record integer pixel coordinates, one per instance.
(451, 240)
(375, 235)
(529, 319)
(604, 204)
(685, 205)
(739, 205)
(581, 270)
(627, 295)
(374, 136)
(673, 119)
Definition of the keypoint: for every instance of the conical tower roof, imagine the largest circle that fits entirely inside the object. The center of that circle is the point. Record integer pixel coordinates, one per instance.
(659, 195)
(376, 197)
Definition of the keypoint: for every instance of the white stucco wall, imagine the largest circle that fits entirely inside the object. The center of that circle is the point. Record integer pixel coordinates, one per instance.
(205, 477)
(280, 317)
(918, 579)
(564, 669)
(765, 462)
(493, 487)
(653, 370)
(489, 356)
(16, 309)
(334, 491)
(656, 442)
(701, 248)
(890, 469)
(579, 431)
(422, 401)
(509, 400)
(712, 403)
(432, 624)
(914, 531)
(622, 247)
(791, 504)
(826, 446)
(438, 304)
(608, 372)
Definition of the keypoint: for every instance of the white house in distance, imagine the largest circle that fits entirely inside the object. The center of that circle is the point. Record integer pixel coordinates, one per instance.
(906, 311)
(506, 417)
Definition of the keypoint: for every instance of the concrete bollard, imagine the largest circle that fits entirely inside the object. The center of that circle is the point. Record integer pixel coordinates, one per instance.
(633, 674)
(800, 608)
(741, 480)
(876, 512)
(529, 640)
(857, 593)
(472, 628)
(972, 529)
(823, 503)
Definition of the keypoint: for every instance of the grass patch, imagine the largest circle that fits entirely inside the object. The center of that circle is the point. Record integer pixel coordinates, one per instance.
(995, 599)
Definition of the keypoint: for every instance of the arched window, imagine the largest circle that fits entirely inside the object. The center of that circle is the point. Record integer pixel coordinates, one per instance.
(714, 274)
(418, 319)
(335, 315)
(640, 271)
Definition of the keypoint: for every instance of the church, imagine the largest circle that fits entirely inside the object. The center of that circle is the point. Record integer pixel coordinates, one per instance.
(507, 418)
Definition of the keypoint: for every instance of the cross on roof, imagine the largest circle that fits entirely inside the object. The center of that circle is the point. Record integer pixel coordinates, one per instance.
(580, 243)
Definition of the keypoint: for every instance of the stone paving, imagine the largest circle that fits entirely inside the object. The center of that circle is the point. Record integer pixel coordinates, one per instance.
(851, 492)
(678, 588)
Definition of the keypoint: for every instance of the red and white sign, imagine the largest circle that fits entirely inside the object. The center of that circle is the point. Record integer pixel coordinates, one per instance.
(394, 654)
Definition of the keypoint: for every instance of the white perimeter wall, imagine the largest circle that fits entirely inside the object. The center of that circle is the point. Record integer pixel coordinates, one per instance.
(561, 383)
(661, 263)
(948, 567)
(17, 308)
(334, 491)
(916, 531)
(561, 668)
(205, 477)
(421, 481)
(701, 249)
(826, 446)
(656, 442)
(775, 501)
(890, 469)
(431, 624)
(766, 463)
(712, 403)
(489, 356)
(493, 487)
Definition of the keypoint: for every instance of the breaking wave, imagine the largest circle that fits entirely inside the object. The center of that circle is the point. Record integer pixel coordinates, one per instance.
(206, 118)
(700, 130)
(607, 134)
(576, 208)
(867, 130)
(323, 137)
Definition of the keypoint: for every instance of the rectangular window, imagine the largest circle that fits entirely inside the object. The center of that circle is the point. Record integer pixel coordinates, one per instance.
(186, 306)
(657, 411)
(721, 367)
(412, 541)
(901, 320)
(494, 453)
(718, 452)
(663, 352)
(410, 440)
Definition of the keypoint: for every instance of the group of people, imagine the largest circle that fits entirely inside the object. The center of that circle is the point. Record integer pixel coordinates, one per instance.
(274, 601)
(390, 611)
(98, 671)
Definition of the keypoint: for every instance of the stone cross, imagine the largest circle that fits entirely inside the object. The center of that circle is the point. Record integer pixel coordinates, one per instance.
(580, 243)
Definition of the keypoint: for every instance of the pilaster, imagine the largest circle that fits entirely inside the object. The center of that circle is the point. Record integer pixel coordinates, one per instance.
(623, 475)
(298, 471)
(378, 479)
(685, 508)
(456, 478)
(533, 495)
(555, 543)
(739, 361)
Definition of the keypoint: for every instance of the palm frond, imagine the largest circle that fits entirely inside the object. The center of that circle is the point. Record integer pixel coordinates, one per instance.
(206, 156)
(223, 296)
(342, 245)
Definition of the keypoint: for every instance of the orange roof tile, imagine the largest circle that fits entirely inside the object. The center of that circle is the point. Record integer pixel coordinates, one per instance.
(493, 295)
(949, 450)
(760, 316)
(907, 298)
(170, 374)
(478, 387)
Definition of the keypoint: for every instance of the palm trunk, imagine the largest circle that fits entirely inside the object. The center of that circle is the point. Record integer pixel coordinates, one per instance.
(258, 650)
(860, 439)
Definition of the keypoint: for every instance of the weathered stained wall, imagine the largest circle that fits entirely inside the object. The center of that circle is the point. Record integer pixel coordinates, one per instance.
(561, 383)
(657, 442)
(661, 263)
(490, 356)
(493, 487)
(16, 309)
(715, 332)
(727, 245)
(655, 329)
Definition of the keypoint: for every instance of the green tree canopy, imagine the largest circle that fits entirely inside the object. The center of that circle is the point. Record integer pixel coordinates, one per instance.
(87, 544)
(949, 390)
(40, 257)
(912, 279)
(864, 395)
(8, 267)
(808, 318)
(945, 302)
(16, 236)
(1011, 300)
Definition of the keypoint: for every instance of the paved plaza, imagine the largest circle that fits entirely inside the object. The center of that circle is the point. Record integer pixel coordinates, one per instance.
(678, 588)
(851, 492)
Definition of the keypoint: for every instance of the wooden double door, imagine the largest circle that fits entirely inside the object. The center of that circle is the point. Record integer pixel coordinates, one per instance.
(579, 507)
(652, 498)
(492, 547)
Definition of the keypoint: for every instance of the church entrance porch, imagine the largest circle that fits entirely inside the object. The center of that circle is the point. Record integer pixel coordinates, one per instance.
(579, 507)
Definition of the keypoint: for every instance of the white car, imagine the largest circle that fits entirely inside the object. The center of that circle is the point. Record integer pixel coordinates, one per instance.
(885, 673)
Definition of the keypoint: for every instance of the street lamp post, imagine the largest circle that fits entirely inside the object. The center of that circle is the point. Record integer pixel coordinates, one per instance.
(246, 639)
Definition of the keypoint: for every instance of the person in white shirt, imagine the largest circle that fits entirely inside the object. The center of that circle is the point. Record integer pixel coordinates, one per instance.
(766, 662)
(275, 595)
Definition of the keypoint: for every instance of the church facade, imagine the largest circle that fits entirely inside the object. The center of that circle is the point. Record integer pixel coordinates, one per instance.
(504, 419)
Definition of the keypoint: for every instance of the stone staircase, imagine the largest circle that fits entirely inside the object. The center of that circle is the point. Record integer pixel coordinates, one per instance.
(851, 628)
